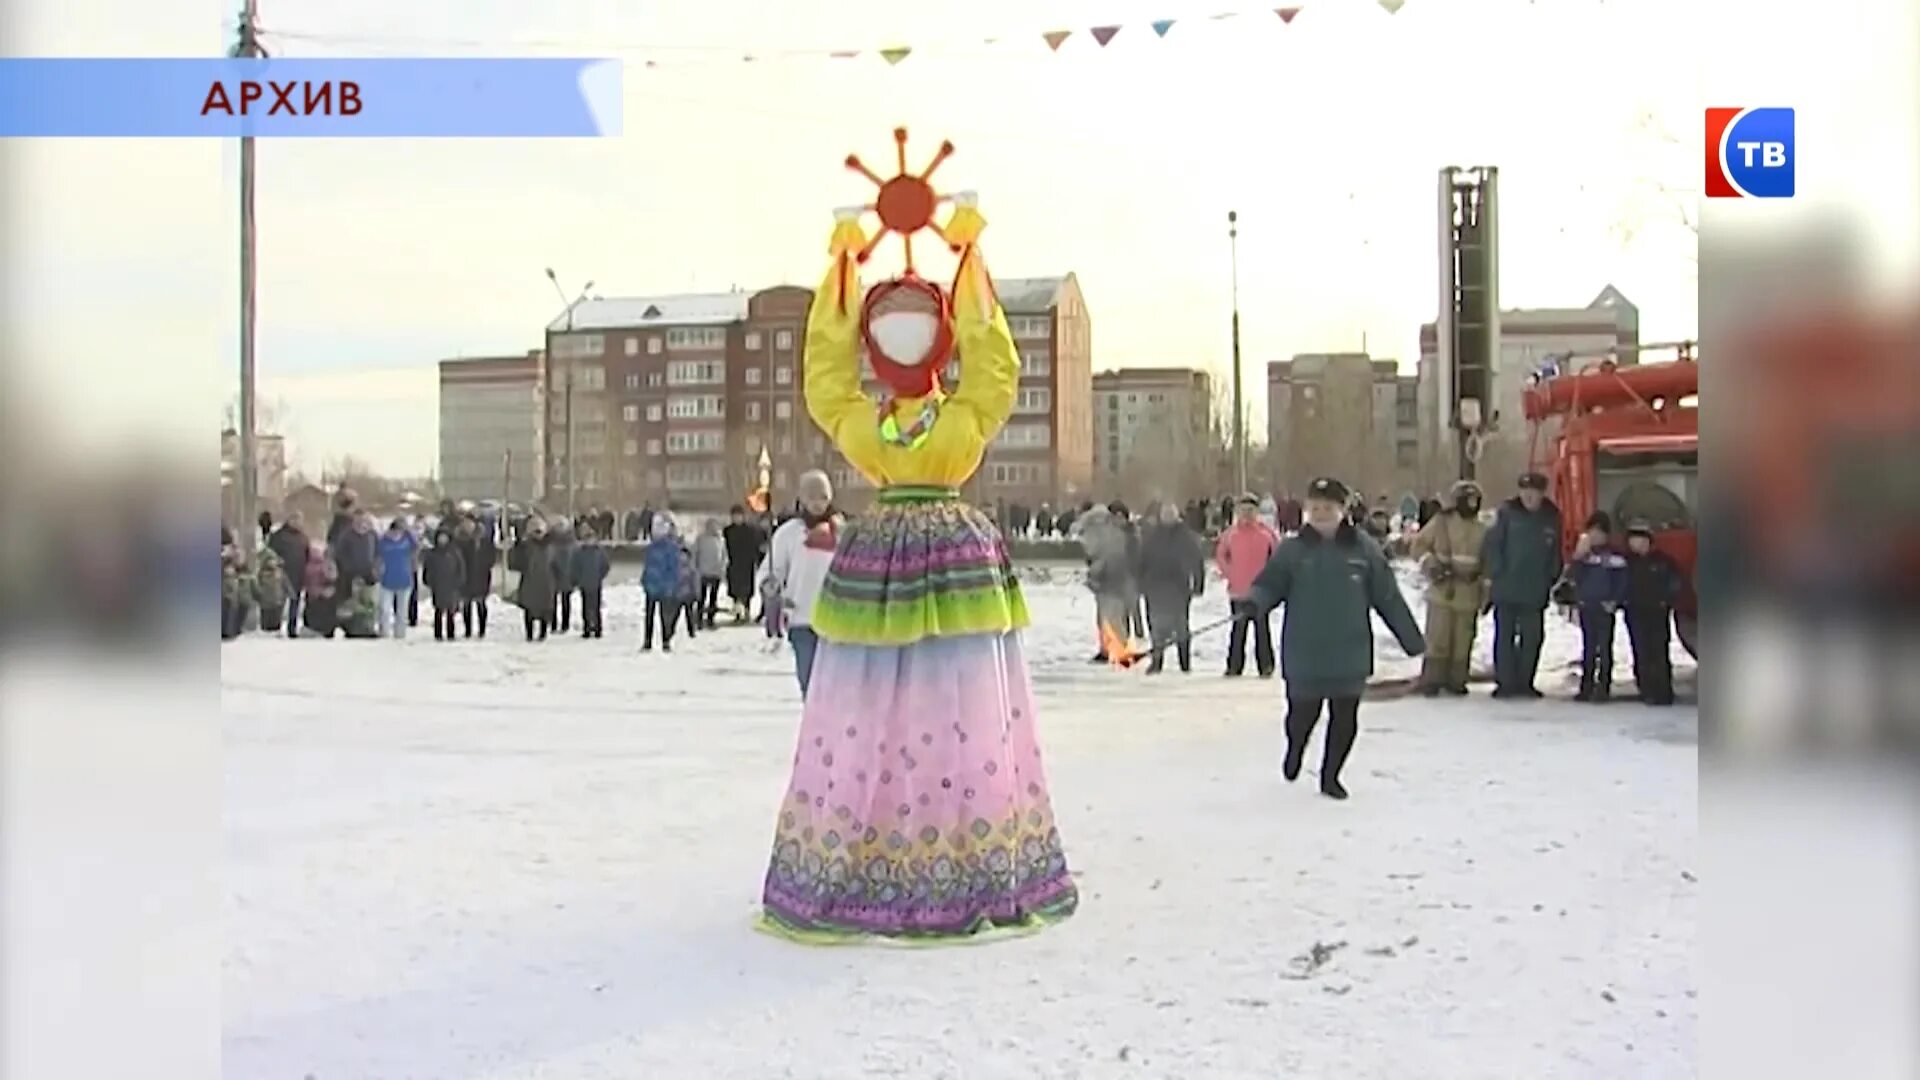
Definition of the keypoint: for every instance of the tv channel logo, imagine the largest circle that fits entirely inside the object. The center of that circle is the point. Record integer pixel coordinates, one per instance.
(1749, 154)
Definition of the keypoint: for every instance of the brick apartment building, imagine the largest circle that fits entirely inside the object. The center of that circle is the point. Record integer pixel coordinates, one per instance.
(675, 397)
(1152, 432)
(492, 438)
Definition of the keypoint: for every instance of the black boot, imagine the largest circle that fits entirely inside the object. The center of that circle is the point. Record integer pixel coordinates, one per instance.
(1343, 727)
(1186, 657)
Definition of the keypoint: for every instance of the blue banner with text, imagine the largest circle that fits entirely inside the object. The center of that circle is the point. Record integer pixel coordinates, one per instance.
(314, 98)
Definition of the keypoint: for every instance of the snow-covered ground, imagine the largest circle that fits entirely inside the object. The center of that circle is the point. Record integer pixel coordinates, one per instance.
(493, 860)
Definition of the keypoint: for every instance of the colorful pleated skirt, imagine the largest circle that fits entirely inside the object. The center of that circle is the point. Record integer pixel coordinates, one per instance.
(918, 807)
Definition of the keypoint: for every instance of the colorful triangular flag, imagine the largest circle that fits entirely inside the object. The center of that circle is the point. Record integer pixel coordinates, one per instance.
(1161, 26)
(1286, 13)
(1104, 34)
(1393, 6)
(896, 54)
(1053, 38)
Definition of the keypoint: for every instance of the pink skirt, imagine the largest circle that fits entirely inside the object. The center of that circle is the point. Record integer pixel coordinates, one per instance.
(918, 807)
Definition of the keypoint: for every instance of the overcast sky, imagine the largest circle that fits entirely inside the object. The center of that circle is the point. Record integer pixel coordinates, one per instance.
(379, 258)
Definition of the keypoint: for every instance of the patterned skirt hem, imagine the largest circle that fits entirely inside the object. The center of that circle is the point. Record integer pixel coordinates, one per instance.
(978, 929)
(851, 621)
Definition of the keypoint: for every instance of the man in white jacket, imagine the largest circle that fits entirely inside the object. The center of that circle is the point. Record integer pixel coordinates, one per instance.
(797, 562)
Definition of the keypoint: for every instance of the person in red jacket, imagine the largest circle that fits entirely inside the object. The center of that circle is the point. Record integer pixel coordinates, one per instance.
(1242, 551)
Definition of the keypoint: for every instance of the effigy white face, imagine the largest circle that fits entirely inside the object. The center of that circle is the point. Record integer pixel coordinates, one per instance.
(906, 337)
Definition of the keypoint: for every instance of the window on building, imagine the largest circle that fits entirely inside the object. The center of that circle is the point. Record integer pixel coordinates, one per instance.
(653, 413)
(695, 372)
(753, 341)
(696, 442)
(783, 410)
(633, 380)
(1133, 399)
(1030, 326)
(695, 474)
(656, 378)
(1406, 455)
(630, 413)
(1034, 399)
(696, 407)
(697, 337)
(653, 447)
(631, 448)
(653, 349)
(1024, 436)
(753, 376)
(632, 346)
(1035, 362)
(783, 339)
(753, 410)
(567, 346)
(786, 444)
(783, 375)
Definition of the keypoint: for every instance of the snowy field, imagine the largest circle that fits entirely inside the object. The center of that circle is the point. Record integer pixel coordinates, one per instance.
(500, 861)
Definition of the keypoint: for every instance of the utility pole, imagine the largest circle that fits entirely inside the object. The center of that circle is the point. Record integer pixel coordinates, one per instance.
(247, 47)
(573, 355)
(1239, 393)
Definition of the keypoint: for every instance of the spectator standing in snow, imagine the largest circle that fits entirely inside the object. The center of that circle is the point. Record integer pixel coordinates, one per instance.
(532, 557)
(710, 559)
(475, 544)
(398, 550)
(1173, 570)
(236, 591)
(1448, 549)
(291, 543)
(686, 588)
(1653, 585)
(321, 604)
(745, 545)
(1597, 581)
(660, 579)
(444, 573)
(357, 557)
(1332, 577)
(801, 552)
(589, 573)
(1521, 555)
(1241, 552)
(561, 551)
(270, 590)
(1110, 573)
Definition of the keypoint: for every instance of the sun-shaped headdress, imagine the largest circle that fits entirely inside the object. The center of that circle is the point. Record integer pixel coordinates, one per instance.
(905, 205)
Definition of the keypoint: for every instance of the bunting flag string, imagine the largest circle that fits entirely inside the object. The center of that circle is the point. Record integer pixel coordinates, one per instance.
(668, 56)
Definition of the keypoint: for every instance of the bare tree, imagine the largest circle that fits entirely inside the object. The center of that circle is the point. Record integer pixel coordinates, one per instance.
(1653, 200)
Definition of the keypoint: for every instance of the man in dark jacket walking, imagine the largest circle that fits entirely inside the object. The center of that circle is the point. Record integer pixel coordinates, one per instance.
(478, 554)
(290, 543)
(746, 545)
(1332, 577)
(1173, 570)
(1521, 556)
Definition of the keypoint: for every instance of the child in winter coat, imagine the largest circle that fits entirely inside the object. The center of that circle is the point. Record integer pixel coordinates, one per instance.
(660, 580)
(590, 569)
(1596, 580)
(320, 606)
(270, 590)
(1654, 582)
(444, 573)
(236, 591)
(710, 558)
(687, 590)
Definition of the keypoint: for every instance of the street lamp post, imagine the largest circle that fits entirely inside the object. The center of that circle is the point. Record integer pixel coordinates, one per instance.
(572, 359)
(1239, 401)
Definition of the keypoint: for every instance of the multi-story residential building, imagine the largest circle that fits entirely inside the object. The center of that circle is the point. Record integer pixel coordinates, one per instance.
(1346, 415)
(492, 427)
(675, 398)
(1528, 338)
(1153, 432)
(1045, 451)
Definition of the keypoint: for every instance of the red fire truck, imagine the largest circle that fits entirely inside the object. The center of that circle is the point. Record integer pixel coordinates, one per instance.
(1626, 439)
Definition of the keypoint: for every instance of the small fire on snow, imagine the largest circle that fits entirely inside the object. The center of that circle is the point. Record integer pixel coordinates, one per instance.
(1120, 652)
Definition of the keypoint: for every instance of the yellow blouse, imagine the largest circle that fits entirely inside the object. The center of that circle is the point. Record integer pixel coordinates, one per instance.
(967, 419)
